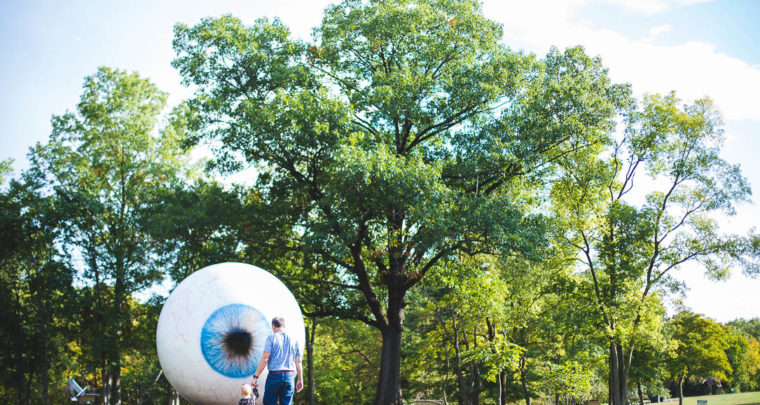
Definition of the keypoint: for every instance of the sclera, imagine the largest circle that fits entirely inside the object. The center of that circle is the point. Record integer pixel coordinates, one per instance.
(193, 301)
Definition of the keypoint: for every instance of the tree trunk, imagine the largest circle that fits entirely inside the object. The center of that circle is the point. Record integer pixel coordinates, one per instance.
(458, 363)
(503, 387)
(101, 321)
(115, 349)
(106, 380)
(116, 385)
(29, 388)
(501, 397)
(19, 348)
(389, 383)
(19, 382)
(523, 378)
(45, 367)
(477, 383)
(311, 333)
(680, 390)
(641, 396)
(619, 366)
(445, 380)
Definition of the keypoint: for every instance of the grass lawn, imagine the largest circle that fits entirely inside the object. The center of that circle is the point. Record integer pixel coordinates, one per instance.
(744, 398)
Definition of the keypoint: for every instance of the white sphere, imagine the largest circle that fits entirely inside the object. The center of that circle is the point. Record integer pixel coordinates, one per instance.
(212, 328)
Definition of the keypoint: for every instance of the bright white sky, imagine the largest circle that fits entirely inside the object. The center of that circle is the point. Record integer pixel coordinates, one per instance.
(695, 47)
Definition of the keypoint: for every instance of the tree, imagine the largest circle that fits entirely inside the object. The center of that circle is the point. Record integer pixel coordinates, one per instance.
(346, 362)
(567, 379)
(750, 331)
(103, 162)
(563, 355)
(405, 134)
(465, 301)
(5, 168)
(648, 366)
(628, 251)
(700, 349)
(748, 326)
(743, 354)
(35, 294)
(142, 374)
(194, 226)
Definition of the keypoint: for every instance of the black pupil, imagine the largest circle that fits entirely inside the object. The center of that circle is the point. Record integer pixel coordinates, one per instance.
(238, 342)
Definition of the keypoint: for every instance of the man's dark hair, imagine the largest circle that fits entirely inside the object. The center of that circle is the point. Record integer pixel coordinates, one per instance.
(278, 322)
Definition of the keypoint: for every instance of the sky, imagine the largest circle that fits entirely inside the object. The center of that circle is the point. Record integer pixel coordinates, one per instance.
(694, 47)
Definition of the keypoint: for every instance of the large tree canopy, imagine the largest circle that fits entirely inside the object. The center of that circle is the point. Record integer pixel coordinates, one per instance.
(104, 162)
(628, 252)
(700, 349)
(437, 202)
(405, 133)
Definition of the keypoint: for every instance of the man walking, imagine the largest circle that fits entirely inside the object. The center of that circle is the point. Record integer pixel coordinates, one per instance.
(282, 356)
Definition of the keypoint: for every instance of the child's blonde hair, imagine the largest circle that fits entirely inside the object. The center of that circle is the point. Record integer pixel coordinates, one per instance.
(245, 390)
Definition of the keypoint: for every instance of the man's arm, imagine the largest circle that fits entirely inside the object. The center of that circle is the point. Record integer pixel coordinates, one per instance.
(260, 369)
(299, 374)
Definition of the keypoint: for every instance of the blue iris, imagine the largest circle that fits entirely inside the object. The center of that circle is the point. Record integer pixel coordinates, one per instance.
(232, 340)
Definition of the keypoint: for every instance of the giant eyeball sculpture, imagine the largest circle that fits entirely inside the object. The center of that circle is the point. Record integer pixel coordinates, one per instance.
(212, 328)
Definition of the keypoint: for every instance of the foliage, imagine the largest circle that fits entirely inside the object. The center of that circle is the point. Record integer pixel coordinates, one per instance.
(194, 225)
(459, 306)
(700, 349)
(35, 296)
(103, 163)
(405, 134)
(568, 379)
(5, 168)
(412, 173)
(628, 251)
(648, 367)
(346, 362)
(743, 355)
(143, 381)
(748, 326)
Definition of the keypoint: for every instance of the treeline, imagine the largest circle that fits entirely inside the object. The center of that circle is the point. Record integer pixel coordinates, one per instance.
(458, 220)
(478, 330)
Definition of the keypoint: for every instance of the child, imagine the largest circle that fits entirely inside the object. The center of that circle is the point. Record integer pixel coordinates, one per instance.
(248, 395)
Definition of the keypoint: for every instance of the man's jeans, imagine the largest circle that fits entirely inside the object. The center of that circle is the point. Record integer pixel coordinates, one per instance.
(279, 385)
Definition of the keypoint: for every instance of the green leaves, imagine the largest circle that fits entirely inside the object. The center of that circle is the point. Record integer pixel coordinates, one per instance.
(106, 161)
(495, 357)
(568, 378)
(406, 136)
(5, 168)
(634, 248)
(36, 291)
(361, 123)
(743, 354)
(221, 49)
(416, 60)
(414, 70)
(700, 347)
(628, 248)
(103, 165)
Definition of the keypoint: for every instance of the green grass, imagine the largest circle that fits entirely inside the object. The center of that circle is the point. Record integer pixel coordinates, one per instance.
(744, 398)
